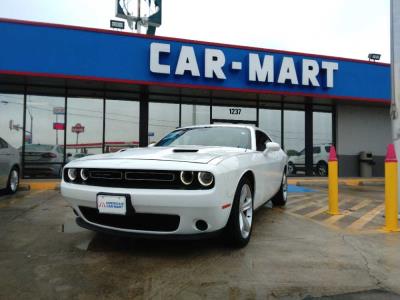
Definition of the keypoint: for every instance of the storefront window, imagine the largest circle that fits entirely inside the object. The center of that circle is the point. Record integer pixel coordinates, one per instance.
(11, 119)
(163, 118)
(270, 122)
(235, 114)
(322, 139)
(85, 127)
(44, 136)
(195, 115)
(294, 141)
(122, 125)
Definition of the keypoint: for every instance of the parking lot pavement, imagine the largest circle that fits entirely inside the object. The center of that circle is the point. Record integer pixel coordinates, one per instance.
(361, 208)
(43, 255)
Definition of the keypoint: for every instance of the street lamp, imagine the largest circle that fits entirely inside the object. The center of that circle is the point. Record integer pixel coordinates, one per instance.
(374, 57)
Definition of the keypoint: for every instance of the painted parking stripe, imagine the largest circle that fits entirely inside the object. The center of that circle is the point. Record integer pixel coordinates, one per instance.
(362, 221)
(347, 212)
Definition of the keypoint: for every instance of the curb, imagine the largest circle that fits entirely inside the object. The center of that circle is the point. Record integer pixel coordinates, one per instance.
(37, 186)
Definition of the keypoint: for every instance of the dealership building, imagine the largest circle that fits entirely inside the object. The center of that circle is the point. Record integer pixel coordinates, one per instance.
(67, 90)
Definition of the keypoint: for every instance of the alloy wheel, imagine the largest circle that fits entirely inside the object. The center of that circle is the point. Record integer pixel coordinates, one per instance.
(14, 179)
(245, 211)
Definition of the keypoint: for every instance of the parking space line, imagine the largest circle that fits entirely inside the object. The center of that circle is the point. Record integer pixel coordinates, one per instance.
(316, 212)
(347, 212)
(363, 220)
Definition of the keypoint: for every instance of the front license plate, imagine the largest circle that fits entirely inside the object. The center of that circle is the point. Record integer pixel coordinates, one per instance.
(111, 204)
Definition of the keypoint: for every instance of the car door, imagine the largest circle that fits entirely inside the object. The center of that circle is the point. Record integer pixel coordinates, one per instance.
(268, 170)
(4, 163)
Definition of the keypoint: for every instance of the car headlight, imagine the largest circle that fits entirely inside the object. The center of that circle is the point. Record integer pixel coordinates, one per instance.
(84, 174)
(205, 178)
(72, 174)
(187, 177)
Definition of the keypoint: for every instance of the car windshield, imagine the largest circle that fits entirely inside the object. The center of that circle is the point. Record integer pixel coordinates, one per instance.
(38, 147)
(208, 136)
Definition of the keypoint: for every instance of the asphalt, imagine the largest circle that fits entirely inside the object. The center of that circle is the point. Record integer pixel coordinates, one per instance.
(44, 255)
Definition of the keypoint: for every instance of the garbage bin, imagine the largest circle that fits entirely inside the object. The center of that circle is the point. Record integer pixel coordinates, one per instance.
(366, 163)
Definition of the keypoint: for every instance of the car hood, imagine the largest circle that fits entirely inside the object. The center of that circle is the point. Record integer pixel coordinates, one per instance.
(193, 154)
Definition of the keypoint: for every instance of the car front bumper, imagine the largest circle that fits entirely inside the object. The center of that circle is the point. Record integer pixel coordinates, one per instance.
(211, 206)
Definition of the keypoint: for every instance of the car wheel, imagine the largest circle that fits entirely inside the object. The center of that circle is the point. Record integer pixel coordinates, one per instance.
(291, 168)
(280, 197)
(13, 181)
(322, 169)
(240, 221)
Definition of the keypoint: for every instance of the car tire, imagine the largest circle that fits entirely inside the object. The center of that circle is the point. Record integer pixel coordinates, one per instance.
(13, 181)
(280, 197)
(291, 169)
(322, 169)
(240, 223)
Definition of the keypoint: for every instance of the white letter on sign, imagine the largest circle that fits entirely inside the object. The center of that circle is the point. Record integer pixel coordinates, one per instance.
(187, 62)
(214, 61)
(288, 71)
(310, 72)
(155, 50)
(330, 67)
(258, 72)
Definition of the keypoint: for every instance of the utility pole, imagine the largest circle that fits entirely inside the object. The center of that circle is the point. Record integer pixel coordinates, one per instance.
(395, 75)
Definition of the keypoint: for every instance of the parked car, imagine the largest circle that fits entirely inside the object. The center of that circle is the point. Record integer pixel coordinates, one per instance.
(296, 162)
(43, 160)
(196, 181)
(10, 167)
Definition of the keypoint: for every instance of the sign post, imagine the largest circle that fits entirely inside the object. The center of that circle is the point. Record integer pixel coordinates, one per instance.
(395, 74)
(78, 128)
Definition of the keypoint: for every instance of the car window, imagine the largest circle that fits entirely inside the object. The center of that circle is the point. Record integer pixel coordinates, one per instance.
(261, 139)
(38, 147)
(327, 148)
(3, 144)
(237, 137)
(316, 150)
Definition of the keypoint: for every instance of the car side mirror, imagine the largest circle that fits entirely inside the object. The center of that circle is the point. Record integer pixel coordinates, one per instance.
(272, 147)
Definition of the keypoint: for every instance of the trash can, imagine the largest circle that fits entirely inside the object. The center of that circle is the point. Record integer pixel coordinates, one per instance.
(366, 161)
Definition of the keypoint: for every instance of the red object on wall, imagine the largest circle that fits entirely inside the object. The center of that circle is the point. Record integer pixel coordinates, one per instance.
(58, 126)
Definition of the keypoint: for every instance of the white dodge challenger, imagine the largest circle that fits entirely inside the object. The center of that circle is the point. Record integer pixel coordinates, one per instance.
(197, 181)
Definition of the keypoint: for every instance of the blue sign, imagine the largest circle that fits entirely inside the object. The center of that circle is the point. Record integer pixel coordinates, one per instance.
(69, 52)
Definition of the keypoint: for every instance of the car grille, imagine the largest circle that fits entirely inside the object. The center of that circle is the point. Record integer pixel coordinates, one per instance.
(136, 221)
(138, 179)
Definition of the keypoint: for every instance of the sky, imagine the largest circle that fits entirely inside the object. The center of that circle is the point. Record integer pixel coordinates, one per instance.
(345, 28)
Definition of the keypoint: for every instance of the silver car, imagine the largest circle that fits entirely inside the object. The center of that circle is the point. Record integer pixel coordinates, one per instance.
(43, 160)
(10, 167)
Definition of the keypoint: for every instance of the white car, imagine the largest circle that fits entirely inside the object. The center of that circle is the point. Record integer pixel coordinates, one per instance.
(197, 181)
(296, 163)
(10, 167)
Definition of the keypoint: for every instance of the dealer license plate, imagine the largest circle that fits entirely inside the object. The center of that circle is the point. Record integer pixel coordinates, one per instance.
(111, 204)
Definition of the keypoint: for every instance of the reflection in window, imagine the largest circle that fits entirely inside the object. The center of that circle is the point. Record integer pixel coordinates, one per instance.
(322, 139)
(11, 119)
(195, 115)
(270, 122)
(44, 136)
(122, 125)
(294, 140)
(163, 118)
(86, 116)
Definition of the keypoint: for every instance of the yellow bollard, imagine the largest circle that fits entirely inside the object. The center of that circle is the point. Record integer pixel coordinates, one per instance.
(391, 190)
(333, 182)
